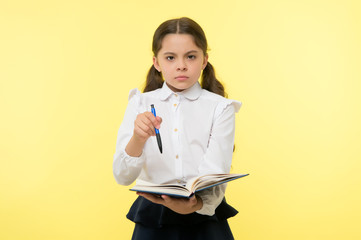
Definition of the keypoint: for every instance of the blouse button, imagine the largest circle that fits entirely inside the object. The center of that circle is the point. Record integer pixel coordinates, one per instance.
(176, 157)
(175, 130)
(176, 95)
(175, 104)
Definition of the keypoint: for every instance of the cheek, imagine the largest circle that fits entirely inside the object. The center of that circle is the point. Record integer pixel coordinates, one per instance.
(165, 72)
(168, 70)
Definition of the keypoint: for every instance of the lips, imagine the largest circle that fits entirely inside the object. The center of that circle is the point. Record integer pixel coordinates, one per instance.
(181, 77)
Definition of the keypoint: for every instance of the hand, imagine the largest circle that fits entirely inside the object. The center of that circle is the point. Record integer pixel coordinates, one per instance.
(178, 205)
(144, 126)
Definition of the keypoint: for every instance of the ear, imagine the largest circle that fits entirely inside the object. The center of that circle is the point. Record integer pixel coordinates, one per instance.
(156, 64)
(205, 62)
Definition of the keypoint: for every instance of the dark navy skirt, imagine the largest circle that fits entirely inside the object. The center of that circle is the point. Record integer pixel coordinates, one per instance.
(154, 221)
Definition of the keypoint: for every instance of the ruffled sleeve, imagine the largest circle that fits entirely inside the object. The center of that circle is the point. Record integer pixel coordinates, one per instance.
(221, 107)
(134, 93)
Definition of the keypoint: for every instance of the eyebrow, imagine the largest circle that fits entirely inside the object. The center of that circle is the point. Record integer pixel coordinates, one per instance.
(192, 51)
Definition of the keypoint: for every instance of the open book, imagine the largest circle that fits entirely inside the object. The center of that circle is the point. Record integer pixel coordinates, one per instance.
(194, 185)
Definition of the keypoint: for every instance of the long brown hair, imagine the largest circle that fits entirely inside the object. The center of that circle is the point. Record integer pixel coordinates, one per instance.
(183, 26)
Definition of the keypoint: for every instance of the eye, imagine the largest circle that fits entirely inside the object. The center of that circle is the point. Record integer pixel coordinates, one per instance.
(170, 58)
(192, 57)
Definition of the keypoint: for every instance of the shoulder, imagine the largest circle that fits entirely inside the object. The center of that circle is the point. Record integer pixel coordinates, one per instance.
(140, 101)
(221, 103)
(136, 94)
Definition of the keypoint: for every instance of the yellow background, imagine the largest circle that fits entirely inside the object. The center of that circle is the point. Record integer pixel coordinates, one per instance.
(66, 68)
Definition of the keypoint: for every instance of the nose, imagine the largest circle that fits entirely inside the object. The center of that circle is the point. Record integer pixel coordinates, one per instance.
(181, 66)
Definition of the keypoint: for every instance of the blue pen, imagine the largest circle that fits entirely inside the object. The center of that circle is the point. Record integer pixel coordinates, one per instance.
(157, 131)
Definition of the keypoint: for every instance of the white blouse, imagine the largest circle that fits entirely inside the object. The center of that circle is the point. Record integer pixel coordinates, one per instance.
(197, 133)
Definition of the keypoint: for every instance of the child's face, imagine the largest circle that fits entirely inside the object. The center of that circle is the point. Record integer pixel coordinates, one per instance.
(180, 61)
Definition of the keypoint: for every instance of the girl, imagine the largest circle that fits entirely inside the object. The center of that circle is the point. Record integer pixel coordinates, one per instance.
(196, 124)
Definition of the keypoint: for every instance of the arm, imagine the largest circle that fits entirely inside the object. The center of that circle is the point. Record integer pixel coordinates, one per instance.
(134, 131)
(218, 157)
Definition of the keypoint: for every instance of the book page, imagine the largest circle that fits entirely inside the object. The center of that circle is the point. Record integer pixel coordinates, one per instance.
(193, 185)
(211, 180)
(159, 189)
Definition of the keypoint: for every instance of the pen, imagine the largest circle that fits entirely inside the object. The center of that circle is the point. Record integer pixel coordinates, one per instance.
(157, 131)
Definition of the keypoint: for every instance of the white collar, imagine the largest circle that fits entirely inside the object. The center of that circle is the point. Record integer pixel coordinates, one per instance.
(191, 93)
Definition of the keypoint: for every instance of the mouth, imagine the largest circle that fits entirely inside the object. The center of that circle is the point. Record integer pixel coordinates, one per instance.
(181, 77)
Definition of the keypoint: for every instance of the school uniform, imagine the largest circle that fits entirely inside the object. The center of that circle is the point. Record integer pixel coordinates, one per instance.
(197, 134)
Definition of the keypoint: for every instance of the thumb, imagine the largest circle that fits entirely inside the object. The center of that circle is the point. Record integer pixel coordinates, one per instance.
(159, 119)
(193, 199)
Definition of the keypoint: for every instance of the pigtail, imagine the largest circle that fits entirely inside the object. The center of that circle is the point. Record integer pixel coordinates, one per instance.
(210, 82)
(154, 80)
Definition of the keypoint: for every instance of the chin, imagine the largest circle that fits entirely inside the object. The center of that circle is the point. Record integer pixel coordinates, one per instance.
(178, 87)
(182, 88)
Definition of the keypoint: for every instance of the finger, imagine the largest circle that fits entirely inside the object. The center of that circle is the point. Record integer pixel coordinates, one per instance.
(147, 126)
(151, 121)
(156, 121)
(166, 198)
(151, 197)
(142, 129)
(145, 123)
